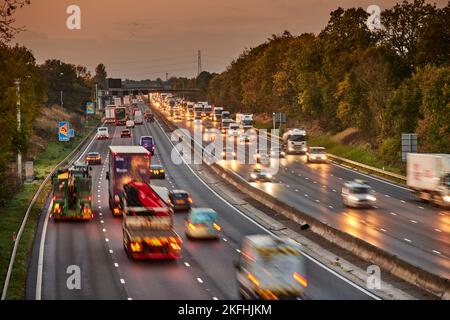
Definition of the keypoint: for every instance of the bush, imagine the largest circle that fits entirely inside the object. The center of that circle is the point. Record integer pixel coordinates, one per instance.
(390, 151)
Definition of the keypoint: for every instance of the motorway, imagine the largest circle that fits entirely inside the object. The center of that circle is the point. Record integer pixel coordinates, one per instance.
(416, 232)
(205, 270)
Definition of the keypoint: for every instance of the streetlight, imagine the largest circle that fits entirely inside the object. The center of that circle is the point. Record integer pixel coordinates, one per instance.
(19, 127)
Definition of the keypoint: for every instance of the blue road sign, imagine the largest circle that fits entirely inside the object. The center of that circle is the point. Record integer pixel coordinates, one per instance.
(71, 133)
(63, 131)
(90, 108)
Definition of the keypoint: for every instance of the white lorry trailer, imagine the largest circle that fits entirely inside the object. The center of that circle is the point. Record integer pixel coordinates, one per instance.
(428, 175)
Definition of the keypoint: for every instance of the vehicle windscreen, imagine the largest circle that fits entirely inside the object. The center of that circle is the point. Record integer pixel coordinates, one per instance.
(147, 141)
(203, 216)
(129, 167)
(360, 190)
(276, 268)
(297, 137)
(320, 151)
(182, 196)
(120, 113)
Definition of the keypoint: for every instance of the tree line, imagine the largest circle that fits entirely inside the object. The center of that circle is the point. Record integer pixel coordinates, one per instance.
(384, 82)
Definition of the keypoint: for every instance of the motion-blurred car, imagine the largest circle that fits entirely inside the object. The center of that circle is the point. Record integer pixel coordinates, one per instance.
(262, 157)
(357, 194)
(277, 152)
(260, 174)
(148, 143)
(180, 200)
(270, 268)
(209, 129)
(316, 154)
(130, 124)
(157, 171)
(125, 133)
(102, 133)
(202, 224)
(93, 158)
(228, 153)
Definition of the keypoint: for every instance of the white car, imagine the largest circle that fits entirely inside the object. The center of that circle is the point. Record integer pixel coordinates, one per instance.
(316, 154)
(102, 133)
(358, 194)
(130, 124)
(233, 130)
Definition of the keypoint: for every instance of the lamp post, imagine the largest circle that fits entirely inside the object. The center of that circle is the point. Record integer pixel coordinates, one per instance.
(19, 125)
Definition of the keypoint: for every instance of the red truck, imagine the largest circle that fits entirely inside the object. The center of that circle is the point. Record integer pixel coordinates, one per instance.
(126, 164)
(147, 227)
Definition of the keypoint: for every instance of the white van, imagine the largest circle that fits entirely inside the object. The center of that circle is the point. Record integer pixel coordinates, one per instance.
(102, 133)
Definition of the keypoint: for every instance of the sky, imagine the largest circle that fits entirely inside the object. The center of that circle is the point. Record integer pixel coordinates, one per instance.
(145, 39)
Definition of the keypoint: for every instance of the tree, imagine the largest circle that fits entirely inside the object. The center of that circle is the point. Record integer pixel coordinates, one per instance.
(7, 28)
(100, 76)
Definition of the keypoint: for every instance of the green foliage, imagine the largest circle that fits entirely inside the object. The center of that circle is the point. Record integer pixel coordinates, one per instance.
(390, 151)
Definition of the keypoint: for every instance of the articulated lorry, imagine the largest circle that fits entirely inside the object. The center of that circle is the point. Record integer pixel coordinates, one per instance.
(294, 141)
(126, 164)
(72, 193)
(147, 226)
(428, 175)
(121, 117)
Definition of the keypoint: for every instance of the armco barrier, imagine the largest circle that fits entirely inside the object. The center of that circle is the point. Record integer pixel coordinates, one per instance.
(33, 201)
(412, 274)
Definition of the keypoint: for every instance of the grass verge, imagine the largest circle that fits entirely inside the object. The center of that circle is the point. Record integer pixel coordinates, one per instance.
(14, 210)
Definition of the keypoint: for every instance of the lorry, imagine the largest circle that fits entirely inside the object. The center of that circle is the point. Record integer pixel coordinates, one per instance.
(428, 175)
(109, 114)
(207, 110)
(217, 114)
(126, 163)
(245, 121)
(138, 118)
(294, 141)
(147, 225)
(72, 193)
(126, 100)
(198, 110)
(120, 114)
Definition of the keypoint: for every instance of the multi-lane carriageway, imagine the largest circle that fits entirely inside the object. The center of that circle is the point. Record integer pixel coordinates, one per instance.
(205, 270)
(416, 232)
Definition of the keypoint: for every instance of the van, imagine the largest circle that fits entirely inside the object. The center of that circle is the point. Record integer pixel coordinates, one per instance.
(148, 143)
(102, 133)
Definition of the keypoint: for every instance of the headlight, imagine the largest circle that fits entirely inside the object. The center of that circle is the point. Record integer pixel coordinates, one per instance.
(371, 198)
(269, 176)
(223, 153)
(253, 175)
(353, 198)
(324, 157)
(283, 153)
(447, 198)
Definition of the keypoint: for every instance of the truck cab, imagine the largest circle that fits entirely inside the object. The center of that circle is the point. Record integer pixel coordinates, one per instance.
(294, 141)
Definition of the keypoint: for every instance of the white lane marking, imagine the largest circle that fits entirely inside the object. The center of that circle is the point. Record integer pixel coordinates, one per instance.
(325, 267)
(100, 214)
(306, 178)
(413, 221)
(306, 195)
(334, 190)
(215, 298)
(317, 201)
(41, 254)
(437, 230)
(402, 201)
(110, 251)
(104, 230)
(238, 251)
(393, 213)
(406, 239)
(387, 196)
(187, 264)
(106, 239)
(130, 299)
(314, 182)
(437, 252)
(420, 208)
(116, 264)
(101, 221)
(122, 281)
(296, 190)
(331, 207)
(200, 280)
(384, 230)
(225, 239)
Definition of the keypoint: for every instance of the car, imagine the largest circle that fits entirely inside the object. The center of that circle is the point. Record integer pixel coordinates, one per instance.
(262, 157)
(209, 129)
(233, 129)
(93, 158)
(277, 152)
(130, 124)
(260, 174)
(244, 138)
(157, 171)
(271, 268)
(102, 133)
(316, 154)
(358, 194)
(125, 133)
(180, 200)
(177, 117)
(228, 153)
(148, 143)
(201, 223)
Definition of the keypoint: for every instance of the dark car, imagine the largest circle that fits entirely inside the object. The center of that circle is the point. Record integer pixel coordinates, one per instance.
(125, 133)
(180, 200)
(93, 158)
(148, 143)
(157, 171)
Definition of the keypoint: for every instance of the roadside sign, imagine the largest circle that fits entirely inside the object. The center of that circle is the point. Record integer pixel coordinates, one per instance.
(71, 133)
(90, 108)
(409, 144)
(63, 131)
